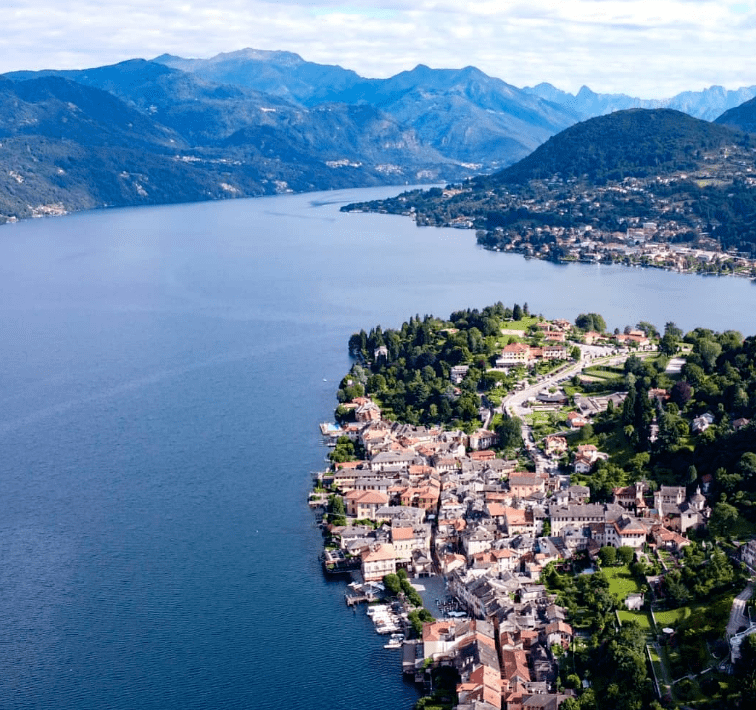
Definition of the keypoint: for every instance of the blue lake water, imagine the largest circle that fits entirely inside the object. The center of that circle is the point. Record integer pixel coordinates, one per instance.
(162, 379)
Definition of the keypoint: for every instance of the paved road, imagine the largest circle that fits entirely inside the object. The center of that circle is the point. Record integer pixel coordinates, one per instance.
(738, 617)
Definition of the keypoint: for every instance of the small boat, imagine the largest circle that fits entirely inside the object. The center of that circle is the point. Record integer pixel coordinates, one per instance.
(394, 643)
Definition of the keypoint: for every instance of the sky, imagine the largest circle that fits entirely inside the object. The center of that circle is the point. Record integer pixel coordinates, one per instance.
(645, 48)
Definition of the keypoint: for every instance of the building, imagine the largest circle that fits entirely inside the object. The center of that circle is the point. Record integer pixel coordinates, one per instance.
(514, 354)
(378, 560)
(364, 504)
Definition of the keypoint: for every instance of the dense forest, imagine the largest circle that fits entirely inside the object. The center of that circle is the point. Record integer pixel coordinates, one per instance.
(408, 370)
(636, 142)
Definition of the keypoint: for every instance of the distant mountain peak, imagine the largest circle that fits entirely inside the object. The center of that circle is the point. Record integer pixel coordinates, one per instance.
(281, 57)
(635, 141)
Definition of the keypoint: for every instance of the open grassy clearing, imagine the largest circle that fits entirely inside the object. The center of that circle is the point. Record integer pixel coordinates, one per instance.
(604, 371)
(672, 617)
(523, 324)
(642, 618)
(621, 582)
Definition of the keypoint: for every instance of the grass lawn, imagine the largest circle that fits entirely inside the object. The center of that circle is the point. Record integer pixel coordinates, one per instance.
(522, 324)
(621, 582)
(657, 663)
(544, 419)
(743, 528)
(603, 372)
(673, 616)
(642, 617)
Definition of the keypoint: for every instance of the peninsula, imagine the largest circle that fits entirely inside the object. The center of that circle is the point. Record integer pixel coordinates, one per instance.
(580, 500)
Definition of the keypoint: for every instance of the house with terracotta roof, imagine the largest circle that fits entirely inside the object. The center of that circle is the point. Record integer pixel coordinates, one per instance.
(555, 445)
(483, 455)
(506, 560)
(496, 511)
(669, 540)
(378, 560)
(576, 421)
(483, 439)
(449, 562)
(364, 504)
(626, 531)
(424, 497)
(592, 337)
(515, 666)
(524, 484)
(514, 354)
(438, 638)
(482, 684)
(558, 632)
(519, 521)
(407, 539)
(367, 411)
(631, 497)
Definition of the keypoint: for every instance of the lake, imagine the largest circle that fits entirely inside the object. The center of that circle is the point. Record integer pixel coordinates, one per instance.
(164, 372)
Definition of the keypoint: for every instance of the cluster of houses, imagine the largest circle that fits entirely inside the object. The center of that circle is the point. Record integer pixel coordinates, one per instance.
(661, 239)
(503, 662)
(440, 502)
(554, 346)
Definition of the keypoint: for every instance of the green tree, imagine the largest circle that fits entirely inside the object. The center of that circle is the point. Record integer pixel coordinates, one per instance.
(709, 351)
(693, 373)
(517, 312)
(337, 506)
(510, 433)
(723, 519)
(625, 555)
(591, 321)
(670, 328)
(608, 556)
(392, 584)
(668, 345)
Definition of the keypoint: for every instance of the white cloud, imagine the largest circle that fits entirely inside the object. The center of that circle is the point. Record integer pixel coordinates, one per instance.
(635, 46)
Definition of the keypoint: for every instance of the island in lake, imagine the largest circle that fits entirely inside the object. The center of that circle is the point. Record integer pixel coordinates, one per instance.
(540, 513)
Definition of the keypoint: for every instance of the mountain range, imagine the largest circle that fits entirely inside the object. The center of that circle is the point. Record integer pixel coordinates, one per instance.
(707, 104)
(254, 122)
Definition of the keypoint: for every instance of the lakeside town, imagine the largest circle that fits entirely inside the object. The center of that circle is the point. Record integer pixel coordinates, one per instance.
(532, 563)
(679, 220)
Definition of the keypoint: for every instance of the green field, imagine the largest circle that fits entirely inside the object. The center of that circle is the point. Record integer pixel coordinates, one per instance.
(603, 372)
(621, 582)
(522, 324)
(673, 616)
(641, 617)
